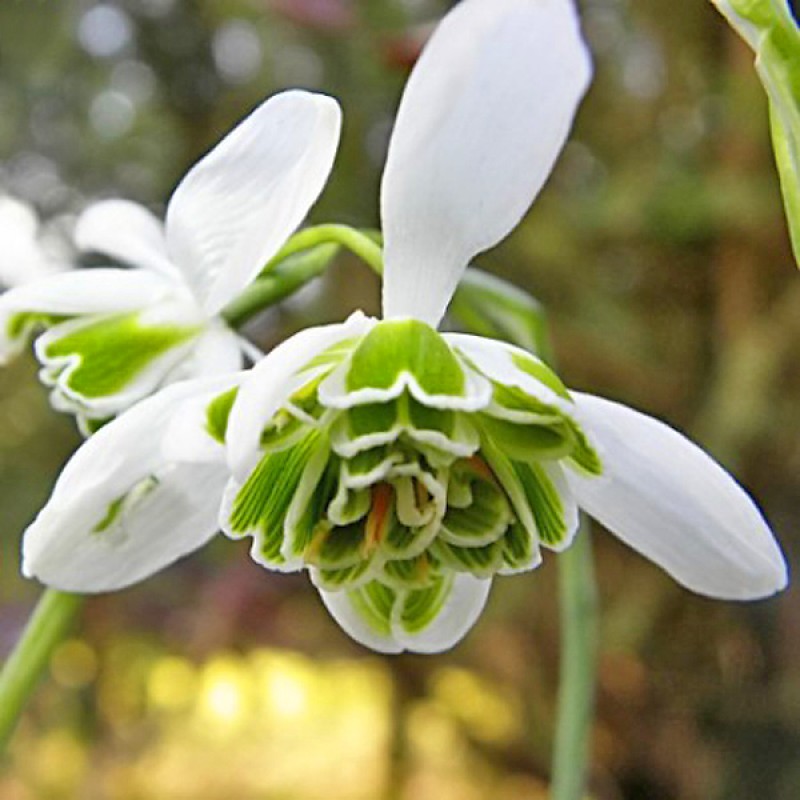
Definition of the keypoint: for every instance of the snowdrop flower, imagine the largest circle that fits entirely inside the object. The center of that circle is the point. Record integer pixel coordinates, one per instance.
(402, 467)
(405, 468)
(115, 335)
(27, 253)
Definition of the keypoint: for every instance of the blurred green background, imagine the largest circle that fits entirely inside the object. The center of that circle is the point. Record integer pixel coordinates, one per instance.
(661, 253)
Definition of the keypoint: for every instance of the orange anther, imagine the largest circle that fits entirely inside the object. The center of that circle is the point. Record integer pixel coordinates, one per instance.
(378, 517)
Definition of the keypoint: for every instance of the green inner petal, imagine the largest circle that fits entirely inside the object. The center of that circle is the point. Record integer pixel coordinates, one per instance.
(412, 573)
(397, 347)
(530, 442)
(374, 603)
(545, 503)
(482, 522)
(519, 549)
(262, 504)
(113, 351)
(479, 561)
(539, 371)
(416, 610)
(335, 579)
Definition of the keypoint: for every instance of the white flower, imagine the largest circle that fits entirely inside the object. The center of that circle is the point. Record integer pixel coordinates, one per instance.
(405, 468)
(27, 253)
(116, 335)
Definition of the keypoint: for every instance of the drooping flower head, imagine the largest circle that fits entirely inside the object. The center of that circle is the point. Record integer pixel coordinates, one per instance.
(115, 335)
(402, 467)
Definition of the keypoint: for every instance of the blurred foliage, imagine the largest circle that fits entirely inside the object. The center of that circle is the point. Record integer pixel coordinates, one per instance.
(660, 251)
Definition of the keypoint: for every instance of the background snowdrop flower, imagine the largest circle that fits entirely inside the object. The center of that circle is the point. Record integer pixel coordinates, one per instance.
(405, 468)
(27, 254)
(115, 335)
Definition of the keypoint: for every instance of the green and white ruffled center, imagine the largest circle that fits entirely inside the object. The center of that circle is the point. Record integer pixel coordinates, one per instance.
(398, 463)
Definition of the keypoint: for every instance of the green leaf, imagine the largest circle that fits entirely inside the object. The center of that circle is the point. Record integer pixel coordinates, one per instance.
(489, 306)
(772, 32)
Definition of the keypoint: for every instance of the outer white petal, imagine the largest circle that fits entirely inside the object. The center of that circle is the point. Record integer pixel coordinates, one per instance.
(88, 291)
(666, 498)
(352, 623)
(127, 232)
(462, 609)
(271, 381)
(174, 516)
(218, 350)
(484, 115)
(238, 205)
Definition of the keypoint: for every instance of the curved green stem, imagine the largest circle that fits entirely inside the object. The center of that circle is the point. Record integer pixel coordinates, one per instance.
(358, 242)
(278, 282)
(47, 627)
(578, 599)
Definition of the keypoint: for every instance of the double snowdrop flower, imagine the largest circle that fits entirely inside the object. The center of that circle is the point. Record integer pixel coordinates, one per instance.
(405, 468)
(114, 335)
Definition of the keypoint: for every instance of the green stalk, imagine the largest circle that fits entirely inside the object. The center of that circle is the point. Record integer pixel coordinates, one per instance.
(358, 242)
(578, 598)
(47, 627)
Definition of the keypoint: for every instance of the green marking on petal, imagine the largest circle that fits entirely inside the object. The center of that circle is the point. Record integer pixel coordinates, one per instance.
(539, 371)
(24, 323)
(483, 562)
(114, 510)
(480, 523)
(217, 413)
(335, 579)
(519, 549)
(337, 548)
(530, 442)
(394, 348)
(416, 610)
(111, 352)
(261, 506)
(332, 355)
(412, 573)
(374, 603)
(545, 503)
(306, 518)
(583, 455)
(516, 405)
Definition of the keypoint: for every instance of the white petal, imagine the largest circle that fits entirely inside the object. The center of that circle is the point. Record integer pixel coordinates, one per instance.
(87, 291)
(217, 351)
(238, 205)
(341, 608)
(175, 513)
(271, 381)
(483, 117)
(666, 498)
(127, 232)
(495, 359)
(462, 608)
(467, 598)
